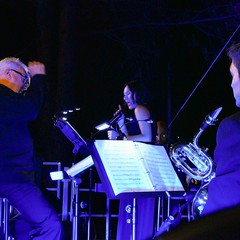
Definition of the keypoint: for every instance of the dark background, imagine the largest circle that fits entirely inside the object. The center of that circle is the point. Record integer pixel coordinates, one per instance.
(91, 48)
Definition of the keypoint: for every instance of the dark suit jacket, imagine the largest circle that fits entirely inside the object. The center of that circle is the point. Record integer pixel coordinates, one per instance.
(224, 189)
(16, 145)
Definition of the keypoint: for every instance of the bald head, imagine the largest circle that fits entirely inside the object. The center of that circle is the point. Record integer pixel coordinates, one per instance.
(14, 74)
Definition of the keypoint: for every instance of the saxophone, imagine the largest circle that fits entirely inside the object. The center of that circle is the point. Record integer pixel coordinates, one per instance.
(191, 158)
(195, 162)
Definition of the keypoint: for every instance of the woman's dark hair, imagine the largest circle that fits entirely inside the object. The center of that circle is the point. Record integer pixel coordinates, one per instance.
(140, 91)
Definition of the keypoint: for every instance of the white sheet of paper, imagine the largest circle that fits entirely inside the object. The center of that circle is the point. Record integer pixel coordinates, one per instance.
(137, 167)
(123, 167)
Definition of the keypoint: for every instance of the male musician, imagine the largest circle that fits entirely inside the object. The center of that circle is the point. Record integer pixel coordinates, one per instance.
(221, 214)
(20, 103)
(223, 190)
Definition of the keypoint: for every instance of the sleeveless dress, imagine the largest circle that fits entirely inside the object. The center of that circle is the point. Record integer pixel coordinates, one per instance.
(144, 206)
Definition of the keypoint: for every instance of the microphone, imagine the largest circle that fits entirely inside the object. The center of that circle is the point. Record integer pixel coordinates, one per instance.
(210, 119)
(116, 118)
(130, 119)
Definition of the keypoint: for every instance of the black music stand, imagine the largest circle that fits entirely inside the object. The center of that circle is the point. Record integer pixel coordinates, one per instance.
(132, 169)
(79, 145)
(67, 129)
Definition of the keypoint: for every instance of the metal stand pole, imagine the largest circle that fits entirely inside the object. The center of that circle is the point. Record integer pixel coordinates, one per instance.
(134, 219)
(65, 198)
(6, 218)
(90, 204)
(108, 216)
(75, 213)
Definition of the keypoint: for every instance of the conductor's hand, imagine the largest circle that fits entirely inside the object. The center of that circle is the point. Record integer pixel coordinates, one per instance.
(112, 134)
(36, 67)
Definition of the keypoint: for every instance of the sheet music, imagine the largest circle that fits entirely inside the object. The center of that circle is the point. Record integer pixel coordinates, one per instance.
(137, 167)
(159, 167)
(123, 166)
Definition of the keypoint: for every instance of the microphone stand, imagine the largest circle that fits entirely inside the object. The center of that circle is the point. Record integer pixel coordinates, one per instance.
(75, 203)
(76, 181)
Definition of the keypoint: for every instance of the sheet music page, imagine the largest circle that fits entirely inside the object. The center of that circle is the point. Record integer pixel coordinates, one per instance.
(123, 166)
(159, 168)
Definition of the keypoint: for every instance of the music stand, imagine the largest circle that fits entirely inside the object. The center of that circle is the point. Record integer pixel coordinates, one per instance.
(67, 129)
(132, 169)
(79, 143)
